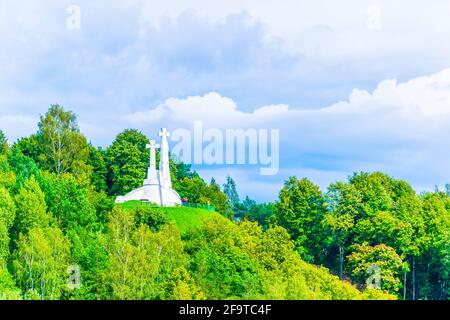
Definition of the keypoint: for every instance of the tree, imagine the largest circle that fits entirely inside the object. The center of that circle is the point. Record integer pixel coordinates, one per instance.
(4, 147)
(29, 147)
(366, 261)
(64, 149)
(344, 205)
(220, 265)
(7, 208)
(229, 188)
(23, 166)
(99, 170)
(432, 267)
(140, 261)
(259, 212)
(178, 170)
(150, 217)
(127, 160)
(7, 216)
(197, 191)
(218, 198)
(69, 201)
(7, 177)
(181, 286)
(31, 208)
(8, 290)
(40, 263)
(300, 209)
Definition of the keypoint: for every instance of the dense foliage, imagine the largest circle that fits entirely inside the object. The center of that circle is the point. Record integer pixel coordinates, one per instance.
(57, 216)
(370, 222)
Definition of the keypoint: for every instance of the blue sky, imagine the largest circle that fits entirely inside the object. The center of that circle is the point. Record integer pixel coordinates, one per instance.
(352, 85)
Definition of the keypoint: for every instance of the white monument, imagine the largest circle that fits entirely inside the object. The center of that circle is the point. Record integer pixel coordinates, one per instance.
(157, 187)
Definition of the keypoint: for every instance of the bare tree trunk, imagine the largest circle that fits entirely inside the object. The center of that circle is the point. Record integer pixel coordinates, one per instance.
(341, 262)
(404, 286)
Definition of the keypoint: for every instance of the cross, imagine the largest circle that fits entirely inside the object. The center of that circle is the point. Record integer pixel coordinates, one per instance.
(164, 133)
(152, 146)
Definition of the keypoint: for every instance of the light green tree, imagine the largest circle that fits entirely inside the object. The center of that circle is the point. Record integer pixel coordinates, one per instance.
(64, 149)
(140, 261)
(181, 286)
(31, 207)
(7, 216)
(4, 147)
(366, 261)
(40, 263)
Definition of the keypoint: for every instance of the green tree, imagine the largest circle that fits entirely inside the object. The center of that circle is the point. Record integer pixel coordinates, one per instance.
(7, 208)
(388, 263)
(40, 263)
(31, 208)
(29, 147)
(8, 290)
(99, 169)
(300, 209)
(23, 166)
(64, 148)
(220, 266)
(258, 212)
(196, 190)
(178, 170)
(127, 160)
(218, 198)
(140, 261)
(344, 206)
(7, 216)
(69, 201)
(7, 177)
(431, 269)
(4, 147)
(181, 286)
(229, 188)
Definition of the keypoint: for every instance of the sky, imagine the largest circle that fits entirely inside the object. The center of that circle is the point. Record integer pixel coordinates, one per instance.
(352, 85)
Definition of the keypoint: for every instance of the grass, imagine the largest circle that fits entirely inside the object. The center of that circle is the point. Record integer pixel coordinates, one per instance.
(184, 217)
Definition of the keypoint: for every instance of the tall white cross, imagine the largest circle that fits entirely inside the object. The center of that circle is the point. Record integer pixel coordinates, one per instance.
(152, 177)
(164, 133)
(152, 146)
(164, 168)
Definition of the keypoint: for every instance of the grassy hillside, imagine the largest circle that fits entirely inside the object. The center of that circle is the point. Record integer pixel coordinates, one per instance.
(184, 217)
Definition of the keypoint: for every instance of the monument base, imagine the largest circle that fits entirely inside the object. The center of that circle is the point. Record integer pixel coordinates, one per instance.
(154, 194)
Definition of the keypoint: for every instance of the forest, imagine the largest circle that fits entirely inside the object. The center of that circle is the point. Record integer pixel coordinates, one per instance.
(57, 215)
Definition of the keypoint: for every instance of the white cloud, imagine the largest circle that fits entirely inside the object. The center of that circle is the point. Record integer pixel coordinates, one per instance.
(218, 111)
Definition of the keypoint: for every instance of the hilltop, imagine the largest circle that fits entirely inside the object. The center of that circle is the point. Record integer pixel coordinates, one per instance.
(184, 217)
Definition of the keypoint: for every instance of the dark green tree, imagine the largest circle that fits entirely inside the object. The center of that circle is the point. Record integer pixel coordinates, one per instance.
(99, 169)
(127, 160)
(300, 209)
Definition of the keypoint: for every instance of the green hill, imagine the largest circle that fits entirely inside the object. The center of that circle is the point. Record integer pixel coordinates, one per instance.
(184, 217)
